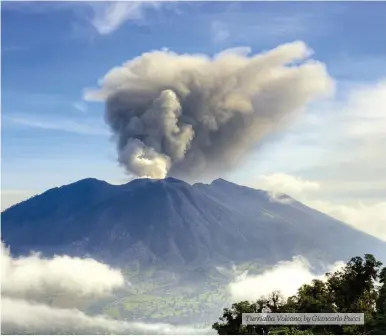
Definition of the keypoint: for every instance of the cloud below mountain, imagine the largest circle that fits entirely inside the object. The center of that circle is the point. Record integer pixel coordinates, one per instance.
(20, 315)
(33, 276)
(286, 277)
(27, 282)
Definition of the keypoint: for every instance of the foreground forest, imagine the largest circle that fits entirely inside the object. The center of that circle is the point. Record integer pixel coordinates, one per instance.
(359, 287)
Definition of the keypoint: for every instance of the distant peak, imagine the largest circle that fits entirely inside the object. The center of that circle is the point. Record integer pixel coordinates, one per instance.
(140, 182)
(221, 181)
(88, 181)
(173, 180)
(156, 182)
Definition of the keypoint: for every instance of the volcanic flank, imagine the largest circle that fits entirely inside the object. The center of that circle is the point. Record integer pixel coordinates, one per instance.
(175, 224)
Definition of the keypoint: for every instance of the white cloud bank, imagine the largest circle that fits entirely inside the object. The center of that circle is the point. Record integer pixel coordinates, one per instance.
(286, 277)
(28, 282)
(34, 276)
(287, 183)
(370, 218)
(346, 159)
(19, 315)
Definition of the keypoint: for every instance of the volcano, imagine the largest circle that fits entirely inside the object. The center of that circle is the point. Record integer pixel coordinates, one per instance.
(174, 224)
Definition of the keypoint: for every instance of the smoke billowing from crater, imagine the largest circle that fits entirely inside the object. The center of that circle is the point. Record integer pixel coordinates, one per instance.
(192, 115)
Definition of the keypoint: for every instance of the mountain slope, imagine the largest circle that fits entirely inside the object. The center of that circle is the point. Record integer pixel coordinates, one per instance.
(175, 224)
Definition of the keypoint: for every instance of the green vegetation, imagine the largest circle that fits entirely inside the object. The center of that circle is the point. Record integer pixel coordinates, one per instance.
(186, 303)
(360, 287)
(158, 297)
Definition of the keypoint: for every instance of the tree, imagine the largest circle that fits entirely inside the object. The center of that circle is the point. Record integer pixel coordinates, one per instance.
(381, 301)
(359, 287)
(379, 321)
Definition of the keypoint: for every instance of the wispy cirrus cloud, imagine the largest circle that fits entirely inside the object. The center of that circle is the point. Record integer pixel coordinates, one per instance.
(12, 49)
(103, 16)
(60, 125)
(220, 32)
(265, 27)
(80, 106)
(108, 17)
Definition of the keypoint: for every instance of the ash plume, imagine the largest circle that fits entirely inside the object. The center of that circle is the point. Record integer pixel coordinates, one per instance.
(190, 116)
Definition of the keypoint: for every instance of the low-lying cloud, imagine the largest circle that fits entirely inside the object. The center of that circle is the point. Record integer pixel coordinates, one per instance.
(33, 276)
(28, 282)
(286, 277)
(19, 315)
(191, 116)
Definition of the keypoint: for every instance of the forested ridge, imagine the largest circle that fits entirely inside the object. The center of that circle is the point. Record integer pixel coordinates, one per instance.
(359, 287)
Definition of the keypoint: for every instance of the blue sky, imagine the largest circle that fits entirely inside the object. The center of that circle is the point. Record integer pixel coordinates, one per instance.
(52, 51)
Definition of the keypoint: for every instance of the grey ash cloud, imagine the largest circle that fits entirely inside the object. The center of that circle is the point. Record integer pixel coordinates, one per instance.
(191, 116)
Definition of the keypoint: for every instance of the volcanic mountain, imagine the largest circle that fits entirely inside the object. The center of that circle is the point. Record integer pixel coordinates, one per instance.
(172, 223)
